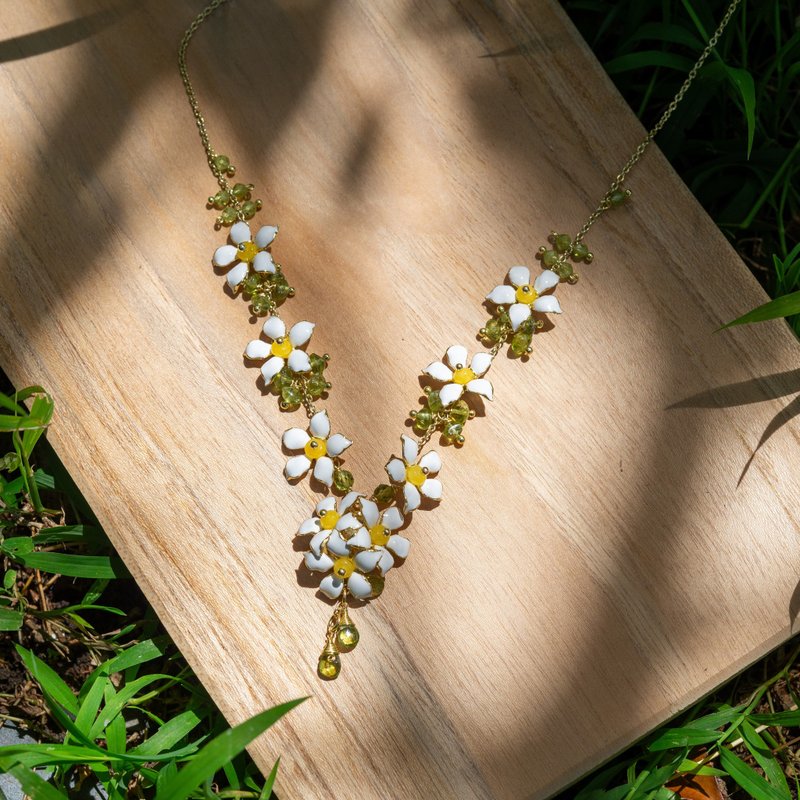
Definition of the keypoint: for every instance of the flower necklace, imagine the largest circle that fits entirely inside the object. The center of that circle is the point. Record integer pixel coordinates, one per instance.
(354, 542)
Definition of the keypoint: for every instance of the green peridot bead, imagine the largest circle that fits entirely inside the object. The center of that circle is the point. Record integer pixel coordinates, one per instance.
(423, 420)
(249, 209)
(564, 271)
(346, 638)
(459, 412)
(241, 191)
(527, 325)
(383, 494)
(291, 395)
(562, 242)
(549, 257)
(434, 402)
(283, 378)
(260, 303)
(617, 198)
(329, 666)
(252, 282)
(316, 385)
(280, 286)
(495, 331)
(453, 429)
(342, 480)
(520, 343)
(318, 363)
(580, 251)
(222, 163)
(377, 583)
(228, 216)
(222, 199)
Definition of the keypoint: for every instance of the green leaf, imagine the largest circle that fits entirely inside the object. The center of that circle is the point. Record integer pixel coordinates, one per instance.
(689, 767)
(785, 306)
(743, 81)
(219, 751)
(747, 778)
(49, 680)
(667, 32)
(9, 578)
(266, 792)
(10, 619)
(682, 737)
(169, 734)
(75, 566)
(647, 58)
(765, 759)
(34, 786)
(782, 718)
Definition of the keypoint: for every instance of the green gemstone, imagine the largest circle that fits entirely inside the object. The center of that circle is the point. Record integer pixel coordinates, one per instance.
(283, 378)
(459, 412)
(563, 242)
(549, 257)
(580, 251)
(564, 271)
(329, 666)
(617, 198)
(222, 199)
(434, 402)
(383, 494)
(318, 363)
(229, 216)
(527, 325)
(241, 191)
(290, 395)
(343, 480)
(222, 163)
(260, 303)
(453, 429)
(346, 638)
(423, 420)
(377, 583)
(316, 385)
(252, 282)
(495, 331)
(280, 286)
(249, 209)
(520, 342)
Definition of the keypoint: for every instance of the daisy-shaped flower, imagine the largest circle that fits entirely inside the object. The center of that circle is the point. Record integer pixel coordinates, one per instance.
(245, 251)
(521, 295)
(459, 377)
(282, 349)
(385, 542)
(415, 475)
(317, 445)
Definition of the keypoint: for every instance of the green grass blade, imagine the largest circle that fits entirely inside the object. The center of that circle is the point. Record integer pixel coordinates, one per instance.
(75, 566)
(10, 619)
(743, 82)
(765, 759)
(266, 792)
(647, 58)
(34, 786)
(169, 734)
(782, 718)
(682, 737)
(219, 751)
(785, 306)
(49, 680)
(747, 778)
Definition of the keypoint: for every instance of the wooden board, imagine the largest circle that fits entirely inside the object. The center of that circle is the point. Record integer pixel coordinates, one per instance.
(599, 560)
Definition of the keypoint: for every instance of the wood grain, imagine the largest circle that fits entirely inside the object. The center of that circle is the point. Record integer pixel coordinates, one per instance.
(601, 557)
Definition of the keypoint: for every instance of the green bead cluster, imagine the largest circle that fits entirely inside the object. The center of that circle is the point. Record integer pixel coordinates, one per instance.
(563, 248)
(450, 419)
(233, 202)
(293, 387)
(497, 328)
(267, 290)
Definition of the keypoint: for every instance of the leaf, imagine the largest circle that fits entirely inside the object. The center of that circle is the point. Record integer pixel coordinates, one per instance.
(169, 734)
(782, 718)
(696, 784)
(34, 786)
(682, 737)
(747, 778)
(666, 32)
(49, 680)
(647, 58)
(266, 792)
(743, 81)
(9, 578)
(219, 751)
(75, 566)
(785, 306)
(10, 619)
(765, 759)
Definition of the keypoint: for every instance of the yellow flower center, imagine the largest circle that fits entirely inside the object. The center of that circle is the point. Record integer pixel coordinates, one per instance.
(247, 251)
(416, 475)
(343, 567)
(463, 375)
(379, 535)
(316, 448)
(328, 519)
(281, 347)
(526, 294)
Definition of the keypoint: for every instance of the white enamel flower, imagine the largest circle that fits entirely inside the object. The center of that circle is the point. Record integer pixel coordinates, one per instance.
(459, 377)
(246, 251)
(414, 475)
(282, 349)
(317, 445)
(385, 542)
(521, 295)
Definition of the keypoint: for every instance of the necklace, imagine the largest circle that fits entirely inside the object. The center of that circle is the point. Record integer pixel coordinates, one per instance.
(353, 541)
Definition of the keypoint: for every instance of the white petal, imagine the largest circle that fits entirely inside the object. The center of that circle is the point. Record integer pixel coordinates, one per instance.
(311, 525)
(331, 586)
(457, 356)
(295, 439)
(392, 519)
(431, 461)
(439, 371)
(518, 313)
(502, 295)
(236, 275)
(265, 236)
(269, 369)
(410, 449)
(370, 513)
(367, 560)
(337, 444)
(361, 539)
(297, 466)
(519, 276)
(399, 545)
(396, 469)
(348, 522)
(450, 392)
(240, 232)
(432, 488)
(263, 262)
(257, 348)
(225, 255)
(316, 541)
(300, 333)
(326, 504)
(359, 586)
(299, 361)
(318, 563)
(274, 327)
(481, 362)
(547, 280)
(323, 470)
(480, 386)
(386, 561)
(348, 500)
(548, 304)
(320, 425)
(412, 497)
(337, 545)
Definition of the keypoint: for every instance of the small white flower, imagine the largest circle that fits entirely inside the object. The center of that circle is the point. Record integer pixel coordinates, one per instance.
(520, 296)
(414, 475)
(317, 445)
(281, 349)
(246, 251)
(459, 377)
(385, 542)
